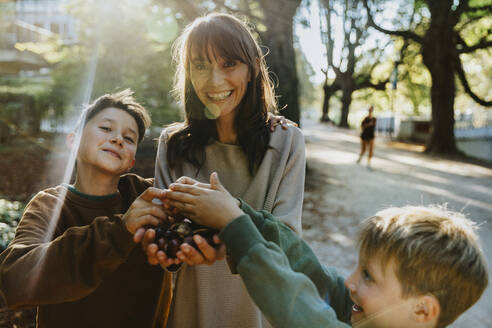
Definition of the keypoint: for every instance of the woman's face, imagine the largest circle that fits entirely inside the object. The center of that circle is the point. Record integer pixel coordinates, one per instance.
(219, 83)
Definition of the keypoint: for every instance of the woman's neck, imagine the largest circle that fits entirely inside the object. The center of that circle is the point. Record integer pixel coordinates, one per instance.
(226, 129)
(96, 184)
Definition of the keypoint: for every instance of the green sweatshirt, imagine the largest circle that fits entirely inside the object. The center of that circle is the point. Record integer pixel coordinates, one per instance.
(282, 274)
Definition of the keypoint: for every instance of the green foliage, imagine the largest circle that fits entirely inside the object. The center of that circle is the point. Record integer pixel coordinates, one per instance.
(414, 81)
(475, 28)
(10, 214)
(23, 104)
(478, 67)
(133, 41)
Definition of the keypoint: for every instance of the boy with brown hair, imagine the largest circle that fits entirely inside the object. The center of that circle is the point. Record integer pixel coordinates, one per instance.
(418, 266)
(74, 254)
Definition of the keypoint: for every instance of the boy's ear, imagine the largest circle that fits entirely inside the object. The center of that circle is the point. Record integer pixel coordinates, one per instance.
(426, 309)
(69, 140)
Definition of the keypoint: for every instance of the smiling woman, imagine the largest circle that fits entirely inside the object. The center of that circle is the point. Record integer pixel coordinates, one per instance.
(223, 83)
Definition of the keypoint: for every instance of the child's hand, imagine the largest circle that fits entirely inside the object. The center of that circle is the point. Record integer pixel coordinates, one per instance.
(184, 180)
(213, 207)
(206, 254)
(145, 212)
(154, 255)
(275, 120)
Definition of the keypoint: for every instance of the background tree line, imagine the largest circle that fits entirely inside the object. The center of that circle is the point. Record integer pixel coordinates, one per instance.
(424, 45)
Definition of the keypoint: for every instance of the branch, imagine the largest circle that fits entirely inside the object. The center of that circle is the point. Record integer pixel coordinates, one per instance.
(337, 70)
(464, 8)
(333, 87)
(480, 45)
(328, 35)
(325, 72)
(461, 74)
(366, 83)
(402, 52)
(468, 22)
(487, 8)
(405, 34)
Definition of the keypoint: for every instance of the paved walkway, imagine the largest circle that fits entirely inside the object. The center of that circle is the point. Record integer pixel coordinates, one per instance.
(340, 193)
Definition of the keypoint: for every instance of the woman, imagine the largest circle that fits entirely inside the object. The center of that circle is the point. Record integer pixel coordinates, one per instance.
(222, 81)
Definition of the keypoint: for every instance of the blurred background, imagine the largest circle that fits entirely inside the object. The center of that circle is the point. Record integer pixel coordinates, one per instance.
(424, 65)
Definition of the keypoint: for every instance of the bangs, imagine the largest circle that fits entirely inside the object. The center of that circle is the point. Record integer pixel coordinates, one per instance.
(214, 41)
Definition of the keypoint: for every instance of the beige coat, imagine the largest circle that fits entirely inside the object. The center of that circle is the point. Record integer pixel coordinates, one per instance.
(210, 296)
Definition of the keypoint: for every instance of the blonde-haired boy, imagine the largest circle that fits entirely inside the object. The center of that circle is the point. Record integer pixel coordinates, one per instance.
(433, 258)
(418, 266)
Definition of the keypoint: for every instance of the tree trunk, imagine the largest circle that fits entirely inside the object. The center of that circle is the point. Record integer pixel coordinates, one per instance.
(438, 51)
(346, 100)
(442, 139)
(279, 17)
(326, 104)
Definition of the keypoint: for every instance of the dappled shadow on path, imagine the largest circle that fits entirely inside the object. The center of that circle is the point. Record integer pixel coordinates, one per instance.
(447, 180)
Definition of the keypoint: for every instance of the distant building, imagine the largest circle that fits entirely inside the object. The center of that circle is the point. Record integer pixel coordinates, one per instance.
(35, 18)
(473, 133)
(33, 21)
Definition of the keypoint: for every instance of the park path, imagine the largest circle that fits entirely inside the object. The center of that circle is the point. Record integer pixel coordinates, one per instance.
(340, 193)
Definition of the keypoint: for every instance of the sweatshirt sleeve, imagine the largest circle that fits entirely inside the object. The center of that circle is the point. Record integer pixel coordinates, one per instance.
(286, 297)
(301, 259)
(34, 271)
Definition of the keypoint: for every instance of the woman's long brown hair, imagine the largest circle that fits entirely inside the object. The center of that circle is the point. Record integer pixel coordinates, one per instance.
(228, 38)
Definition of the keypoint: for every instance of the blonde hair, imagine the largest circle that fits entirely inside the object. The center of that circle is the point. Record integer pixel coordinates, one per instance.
(436, 251)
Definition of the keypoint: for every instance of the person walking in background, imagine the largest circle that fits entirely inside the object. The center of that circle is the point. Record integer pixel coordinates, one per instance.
(367, 125)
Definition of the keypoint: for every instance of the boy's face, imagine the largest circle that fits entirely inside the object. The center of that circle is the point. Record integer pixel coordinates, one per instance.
(109, 142)
(377, 294)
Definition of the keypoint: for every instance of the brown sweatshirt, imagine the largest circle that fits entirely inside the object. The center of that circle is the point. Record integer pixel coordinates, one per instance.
(90, 273)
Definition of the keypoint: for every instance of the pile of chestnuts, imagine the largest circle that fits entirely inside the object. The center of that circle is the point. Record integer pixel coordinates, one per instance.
(170, 236)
